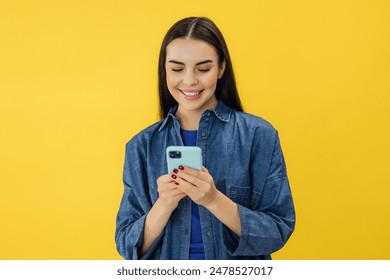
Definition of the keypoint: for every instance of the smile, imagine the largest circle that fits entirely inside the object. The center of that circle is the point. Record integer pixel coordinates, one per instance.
(191, 93)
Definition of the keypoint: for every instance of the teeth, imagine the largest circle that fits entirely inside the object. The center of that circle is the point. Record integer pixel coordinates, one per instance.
(190, 93)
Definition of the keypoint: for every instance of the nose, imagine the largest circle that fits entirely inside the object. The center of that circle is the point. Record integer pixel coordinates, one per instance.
(190, 78)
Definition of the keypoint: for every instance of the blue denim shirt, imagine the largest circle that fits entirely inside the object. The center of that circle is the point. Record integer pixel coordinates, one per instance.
(243, 154)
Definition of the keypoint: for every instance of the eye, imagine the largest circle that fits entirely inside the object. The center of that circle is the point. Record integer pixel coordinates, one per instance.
(177, 69)
(204, 70)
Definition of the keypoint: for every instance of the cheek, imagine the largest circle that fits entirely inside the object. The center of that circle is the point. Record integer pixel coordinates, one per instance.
(172, 80)
(211, 80)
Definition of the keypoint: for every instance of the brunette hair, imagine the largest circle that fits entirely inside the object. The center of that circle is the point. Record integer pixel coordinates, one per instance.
(204, 29)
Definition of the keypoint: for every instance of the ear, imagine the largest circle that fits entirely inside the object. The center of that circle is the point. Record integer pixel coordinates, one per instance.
(221, 69)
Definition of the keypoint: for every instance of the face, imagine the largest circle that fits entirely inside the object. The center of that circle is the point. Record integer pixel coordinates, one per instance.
(192, 72)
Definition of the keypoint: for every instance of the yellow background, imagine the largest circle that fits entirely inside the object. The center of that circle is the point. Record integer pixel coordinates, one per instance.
(79, 78)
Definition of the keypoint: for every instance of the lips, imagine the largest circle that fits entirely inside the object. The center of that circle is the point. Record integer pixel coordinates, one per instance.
(190, 93)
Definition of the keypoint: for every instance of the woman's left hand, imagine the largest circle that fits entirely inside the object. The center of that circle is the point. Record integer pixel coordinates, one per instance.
(198, 185)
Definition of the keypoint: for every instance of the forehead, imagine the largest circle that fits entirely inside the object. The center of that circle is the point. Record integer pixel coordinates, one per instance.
(190, 50)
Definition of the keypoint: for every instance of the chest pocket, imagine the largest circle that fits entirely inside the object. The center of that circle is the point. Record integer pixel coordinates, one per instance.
(244, 196)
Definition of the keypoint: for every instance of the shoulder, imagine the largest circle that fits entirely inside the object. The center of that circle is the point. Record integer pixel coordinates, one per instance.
(257, 133)
(253, 123)
(144, 137)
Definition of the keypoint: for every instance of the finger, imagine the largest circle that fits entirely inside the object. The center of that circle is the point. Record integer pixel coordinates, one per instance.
(204, 169)
(177, 192)
(199, 178)
(195, 173)
(186, 187)
(189, 178)
(188, 169)
(164, 178)
(172, 194)
(167, 187)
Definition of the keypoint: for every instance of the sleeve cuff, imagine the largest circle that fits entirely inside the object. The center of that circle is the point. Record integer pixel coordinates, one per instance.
(235, 245)
(140, 236)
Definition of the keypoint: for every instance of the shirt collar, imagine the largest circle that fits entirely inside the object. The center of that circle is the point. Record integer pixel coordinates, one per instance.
(221, 111)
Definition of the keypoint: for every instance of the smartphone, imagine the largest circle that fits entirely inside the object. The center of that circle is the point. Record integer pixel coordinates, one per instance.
(184, 155)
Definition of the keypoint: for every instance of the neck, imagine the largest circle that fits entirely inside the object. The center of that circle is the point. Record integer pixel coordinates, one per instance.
(188, 120)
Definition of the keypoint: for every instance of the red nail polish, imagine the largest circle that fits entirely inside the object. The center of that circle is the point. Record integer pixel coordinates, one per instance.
(175, 170)
(176, 182)
(174, 176)
(181, 167)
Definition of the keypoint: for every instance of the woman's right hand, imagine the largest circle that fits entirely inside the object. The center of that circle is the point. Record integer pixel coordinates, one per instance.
(169, 193)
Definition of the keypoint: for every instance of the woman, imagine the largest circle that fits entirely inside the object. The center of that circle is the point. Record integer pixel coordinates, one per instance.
(239, 206)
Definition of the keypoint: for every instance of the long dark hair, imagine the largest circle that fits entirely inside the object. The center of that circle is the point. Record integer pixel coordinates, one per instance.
(204, 29)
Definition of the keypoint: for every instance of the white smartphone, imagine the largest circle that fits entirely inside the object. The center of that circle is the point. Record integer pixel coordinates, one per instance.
(184, 155)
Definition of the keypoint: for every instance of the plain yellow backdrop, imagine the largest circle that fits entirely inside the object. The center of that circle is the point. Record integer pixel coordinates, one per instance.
(79, 78)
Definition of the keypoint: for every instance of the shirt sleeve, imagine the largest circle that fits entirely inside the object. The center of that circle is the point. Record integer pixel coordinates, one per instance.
(270, 220)
(134, 206)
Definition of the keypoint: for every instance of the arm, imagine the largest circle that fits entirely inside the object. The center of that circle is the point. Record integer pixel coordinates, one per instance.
(140, 225)
(130, 224)
(269, 220)
(158, 216)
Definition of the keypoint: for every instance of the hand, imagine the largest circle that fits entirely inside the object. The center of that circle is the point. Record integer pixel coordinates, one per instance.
(198, 185)
(169, 193)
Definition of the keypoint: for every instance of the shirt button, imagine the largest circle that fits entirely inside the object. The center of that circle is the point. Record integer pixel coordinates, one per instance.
(208, 114)
(203, 134)
(209, 233)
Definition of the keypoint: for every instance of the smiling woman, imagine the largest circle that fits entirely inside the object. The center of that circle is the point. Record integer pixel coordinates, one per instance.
(239, 206)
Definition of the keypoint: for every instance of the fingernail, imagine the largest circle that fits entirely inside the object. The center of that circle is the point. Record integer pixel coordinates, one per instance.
(181, 167)
(176, 182)
(174, 176)
(175, 170)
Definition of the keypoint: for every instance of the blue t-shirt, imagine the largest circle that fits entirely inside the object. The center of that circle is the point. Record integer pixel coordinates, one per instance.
(196, 245)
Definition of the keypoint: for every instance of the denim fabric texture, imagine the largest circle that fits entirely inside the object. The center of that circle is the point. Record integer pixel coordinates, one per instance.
(242, 153)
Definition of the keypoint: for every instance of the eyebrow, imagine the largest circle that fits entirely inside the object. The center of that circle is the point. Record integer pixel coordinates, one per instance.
(199, 63)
